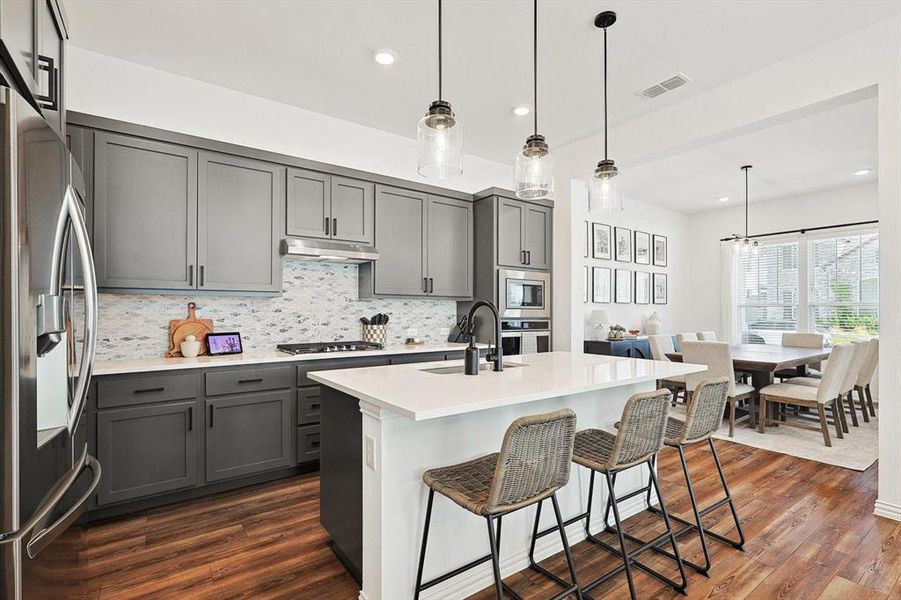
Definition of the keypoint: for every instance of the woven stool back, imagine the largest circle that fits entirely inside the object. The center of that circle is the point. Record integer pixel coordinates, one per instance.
(641, 429)
(705, 410)
(534, 460)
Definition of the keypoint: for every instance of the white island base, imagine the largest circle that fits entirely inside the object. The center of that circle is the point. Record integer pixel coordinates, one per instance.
(414, 420)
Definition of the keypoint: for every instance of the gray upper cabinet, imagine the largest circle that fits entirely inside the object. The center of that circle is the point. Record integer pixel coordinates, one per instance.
(145, 213)
(400, 227)
(239, 202)
(19, 31)
(49, 75)
(353, 210)
(329, 207)
(538, 232)
(450, 247)
(309, 204)
(523, 234)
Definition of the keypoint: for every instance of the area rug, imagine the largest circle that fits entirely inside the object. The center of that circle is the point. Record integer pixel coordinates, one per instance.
(857, 451)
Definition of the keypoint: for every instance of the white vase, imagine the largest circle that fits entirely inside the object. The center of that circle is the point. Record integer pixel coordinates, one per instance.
(653, 326)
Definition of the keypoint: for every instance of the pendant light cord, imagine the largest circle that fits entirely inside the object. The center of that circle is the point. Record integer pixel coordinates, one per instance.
(605, 93)
(535, 66)
(439, 50)
(745, 169)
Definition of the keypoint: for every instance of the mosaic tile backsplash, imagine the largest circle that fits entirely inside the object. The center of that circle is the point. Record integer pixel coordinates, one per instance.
(319, 302)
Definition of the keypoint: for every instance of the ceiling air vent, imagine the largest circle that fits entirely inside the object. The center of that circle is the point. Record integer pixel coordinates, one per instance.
(658, 89)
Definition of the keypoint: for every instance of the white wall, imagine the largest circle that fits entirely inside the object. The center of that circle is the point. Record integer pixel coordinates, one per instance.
(829, 207)
(118, 89)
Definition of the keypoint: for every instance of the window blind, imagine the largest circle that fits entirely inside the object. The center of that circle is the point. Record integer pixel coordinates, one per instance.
(768, 293)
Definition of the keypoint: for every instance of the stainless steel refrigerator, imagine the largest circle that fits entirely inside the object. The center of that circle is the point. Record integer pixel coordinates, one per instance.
(48, 315)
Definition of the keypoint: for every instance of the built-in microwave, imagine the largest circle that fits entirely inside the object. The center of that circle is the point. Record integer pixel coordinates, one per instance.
(524, 294)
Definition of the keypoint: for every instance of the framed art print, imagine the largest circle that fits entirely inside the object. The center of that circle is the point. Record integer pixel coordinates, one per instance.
(623, 286)
(623, 241)
(600, 293)
(661, 250)
(586, 283)
(642, 248)
(602, 244)
(642, 287)
(660, 290)
(587, 238)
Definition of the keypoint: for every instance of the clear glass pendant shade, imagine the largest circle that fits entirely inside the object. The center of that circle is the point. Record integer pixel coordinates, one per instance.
(440, 137)
(534, 173)
(605, 194)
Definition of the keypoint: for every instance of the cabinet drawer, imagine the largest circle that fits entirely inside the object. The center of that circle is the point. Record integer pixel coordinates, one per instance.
(307, 443)
(240, 381)
(338, 363)
(308, 405)
(131, 390)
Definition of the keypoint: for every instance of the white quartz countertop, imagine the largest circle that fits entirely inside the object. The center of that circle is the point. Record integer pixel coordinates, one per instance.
(142, 365)
(411, 391)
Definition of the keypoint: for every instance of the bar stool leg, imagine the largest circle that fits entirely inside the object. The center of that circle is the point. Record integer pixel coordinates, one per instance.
(741, 534)
(672, 536)
(694, 507)
(495, 560)
(425, 540)
(566, 551)
(622, 540)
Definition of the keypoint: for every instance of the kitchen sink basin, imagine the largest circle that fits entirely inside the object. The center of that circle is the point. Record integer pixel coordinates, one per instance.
(458, 370)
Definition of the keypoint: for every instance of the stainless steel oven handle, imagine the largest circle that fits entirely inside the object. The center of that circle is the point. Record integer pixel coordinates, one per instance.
(46, 535)
(89, 343)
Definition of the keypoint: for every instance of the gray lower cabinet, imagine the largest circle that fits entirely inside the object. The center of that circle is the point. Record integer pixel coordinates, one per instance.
(400, 228)
(329, 207)
(248, 433)
(239, 204)
(524, 233)
(145, 213)
(450, 247)
(146, 450)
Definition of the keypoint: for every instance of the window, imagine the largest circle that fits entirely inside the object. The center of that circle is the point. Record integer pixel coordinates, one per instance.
(824, 284)
(843, 286)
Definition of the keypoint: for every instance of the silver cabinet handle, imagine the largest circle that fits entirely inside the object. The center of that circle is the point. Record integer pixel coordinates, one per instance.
(89, 343)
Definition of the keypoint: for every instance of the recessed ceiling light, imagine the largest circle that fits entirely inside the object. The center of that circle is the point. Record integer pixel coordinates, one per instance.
(521, 111)
(384, 57)
(723, 199)
(862, 172)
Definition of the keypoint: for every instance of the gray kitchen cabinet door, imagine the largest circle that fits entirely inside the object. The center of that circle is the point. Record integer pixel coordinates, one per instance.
(18, 30)
(145, 213)
(51, 58)
(400, 227)
(309, 202)
(353, 207)
(450, 247)
(146, 450)
(511, 243)
(538, 237)
(248, 434)
(238, 229)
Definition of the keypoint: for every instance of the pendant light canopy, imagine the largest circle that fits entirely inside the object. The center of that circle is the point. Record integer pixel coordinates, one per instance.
(745, 243)
(440, 133)
(534, 172)
(605, 186)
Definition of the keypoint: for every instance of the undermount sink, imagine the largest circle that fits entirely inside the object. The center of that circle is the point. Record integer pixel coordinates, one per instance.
(458, 370)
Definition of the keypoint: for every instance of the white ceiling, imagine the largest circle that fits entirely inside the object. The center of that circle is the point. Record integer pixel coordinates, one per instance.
(805, 155)
(317, 54)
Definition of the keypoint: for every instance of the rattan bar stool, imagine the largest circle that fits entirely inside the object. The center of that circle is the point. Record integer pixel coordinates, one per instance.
(534, 462)
(702, 419)
(637, 442)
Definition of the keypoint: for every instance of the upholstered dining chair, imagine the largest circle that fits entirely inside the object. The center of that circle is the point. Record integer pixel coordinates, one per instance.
(849, 381)
(826, 394)
(794, 339)
(718, 358)
(707, 336)
(661, 345)
(867, 372)
(687, 336)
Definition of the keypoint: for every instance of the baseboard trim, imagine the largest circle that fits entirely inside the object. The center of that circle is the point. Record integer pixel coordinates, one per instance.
(887, 510)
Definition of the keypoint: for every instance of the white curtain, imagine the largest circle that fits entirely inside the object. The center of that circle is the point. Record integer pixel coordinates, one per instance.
(729, 254)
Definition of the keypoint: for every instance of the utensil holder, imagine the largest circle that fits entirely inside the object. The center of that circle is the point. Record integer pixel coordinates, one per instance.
(375, 334)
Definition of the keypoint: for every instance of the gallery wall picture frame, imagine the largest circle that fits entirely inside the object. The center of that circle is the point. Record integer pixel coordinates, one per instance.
(661, 250)
(586, 284)
(602, 285)
(642, 247)
(660, 288)
(642, 287)
(622, 240)
(602, 241)
(587, 239)
(623, 286)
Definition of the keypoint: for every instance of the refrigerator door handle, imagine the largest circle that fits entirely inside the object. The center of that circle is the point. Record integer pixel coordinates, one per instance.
(89, 344)
(46, 535)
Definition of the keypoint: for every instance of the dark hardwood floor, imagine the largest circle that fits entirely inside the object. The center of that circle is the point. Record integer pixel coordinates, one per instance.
(810, 529)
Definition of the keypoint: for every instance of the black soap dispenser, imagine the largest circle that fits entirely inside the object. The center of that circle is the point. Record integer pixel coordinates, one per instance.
(471, 357)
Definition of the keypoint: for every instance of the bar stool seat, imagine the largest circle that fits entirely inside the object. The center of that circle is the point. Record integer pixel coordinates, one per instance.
(593, 448)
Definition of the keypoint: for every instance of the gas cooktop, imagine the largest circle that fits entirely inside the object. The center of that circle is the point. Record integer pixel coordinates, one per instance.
(317, 347)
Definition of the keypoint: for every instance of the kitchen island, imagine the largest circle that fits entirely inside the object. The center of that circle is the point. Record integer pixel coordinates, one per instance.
(385, 426)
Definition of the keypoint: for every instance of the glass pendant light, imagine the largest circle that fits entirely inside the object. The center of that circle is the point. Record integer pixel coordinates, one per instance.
(440, 133)
(534, 173)
(744, 243)
(605, 186)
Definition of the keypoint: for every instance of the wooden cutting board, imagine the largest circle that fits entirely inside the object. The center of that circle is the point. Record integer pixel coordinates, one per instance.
(179, 329)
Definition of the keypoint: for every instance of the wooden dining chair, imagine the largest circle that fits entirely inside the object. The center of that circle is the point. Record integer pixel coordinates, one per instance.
(687, 336)
(718, 358)
(826, 394)
(866, 375)
(846, 390)
(661, 345)
(795, 339)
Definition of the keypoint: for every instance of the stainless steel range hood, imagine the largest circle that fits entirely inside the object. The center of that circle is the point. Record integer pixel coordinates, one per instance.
(326, 251)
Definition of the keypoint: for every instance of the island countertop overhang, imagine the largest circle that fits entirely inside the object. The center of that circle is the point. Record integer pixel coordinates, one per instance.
(411, 391)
